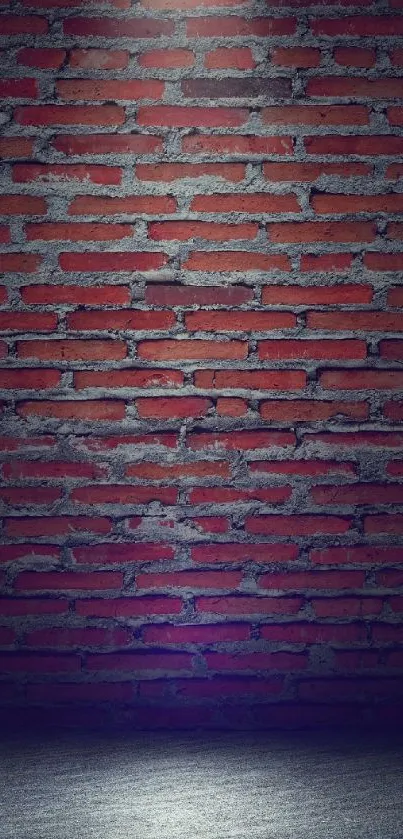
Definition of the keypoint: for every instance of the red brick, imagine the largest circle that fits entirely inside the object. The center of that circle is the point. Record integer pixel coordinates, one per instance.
(395, 296)
(356, 321)
(231, 407)
(125, 319)
(234, 26)
(54, 469)
(261, 202)
(115, 261)
(23, 25)
(383, 261)
(173, 407)
(70, 350)
(185, 230)
(187, 117)
(302, 467)
(299, 525)
(78, 232)
(313, 580)
(66, 581)
(27, 321)
(107, 409)
(311, 633)
(358, 145)
(316, 115)
(132, 205)
(18, 662)
(119, 553)
(358, 494)
(347, 607)
(365, 25)
(79, 692)
(247, 605)
(357, 554)
(166, 172)
(310, 172)
(75, 295)
(243, 440)
(238, 261)
(195, 634)
(238, 58)
(251, 379)
(128, 378)
(69, 115)
(56, 525)
(232, 552)
(167, 59)
(383, 524)
(130, 607)
(172, 350)
(189, 295)
(224, 495)
(228, 321)
(13, 553)
(43, 58)
(360, 439)
(296, 57)
(107, 144)
(243, 144)
(124, 27)
(326, 263)
(362, 379)
(103, 90)
(32, 606)
(348, 86)
(27, 379)
(355, 57)
(24, 205)
(188, 4)
(309, 410)
(297, 295)
(324, 231)
(58, 173)
(29, 496)
(71, 637)
(392, 350)
(95, 59)
(256, 661)
(14, 147)
(149, 471)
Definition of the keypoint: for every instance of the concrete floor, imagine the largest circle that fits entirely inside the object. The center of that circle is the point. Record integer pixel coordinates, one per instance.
(212, 785)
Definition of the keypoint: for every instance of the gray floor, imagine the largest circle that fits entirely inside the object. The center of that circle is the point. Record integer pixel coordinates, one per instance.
(212, 785)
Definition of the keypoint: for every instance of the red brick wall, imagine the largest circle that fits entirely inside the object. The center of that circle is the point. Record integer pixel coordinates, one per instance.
(201, 372)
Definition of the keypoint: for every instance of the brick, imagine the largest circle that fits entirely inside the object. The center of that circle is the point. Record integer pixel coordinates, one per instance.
(76, 637)
(310, 172)
(326, 263)
(309, 410)
(185, 230)
(361, 439)
(383, 524)
(14, 147)
(243, 144)
(111, 261)
(32, 606)
(182, 117)
(240, 88)
(362, 379)
(78, 232)
(296, 57)
(125, 27)
(70, 350)
(58, 173)
(345, 87)
(96, 59)
(383, 261)
(173, 407)
(66, 581)
(166, 172)
(298, 295)
(24, 205)
(231, 407)
(251, 379)
(301, 525)
(43, 59)
(237, 58)
(172, 350)
(234, 26)
(56, 470)
(23, 25)
(125, 319)
(20, 663)
(256, 661)
(307, 633)
(353, 554)
(106, 89)
(156, 472)
(27, 379)
(299, 348)
(245, 203)
(361, 25)
(358, 145)
(330, 203)
(395, 297)
(19, 88)
(223, 495)
(232, 552)
(27, 321)
(392, 350)
(195, 634)
(243, 440)
(358, 494)
(302, 467)
(355, 57)
(75, 295)
(167, 59)
(313, 580)
(132, 205)
(332, 231)
(229, 321)
(108, 409)
(122, 494)
(128, 378)
(188, 4)
(316, 115)
(130, 607)
(356, 321)
(119, 553)
(69, 115)
(238, 261)
(56, 525)
(246, 605)
(107, 144)
(26, 497)
(177, 295)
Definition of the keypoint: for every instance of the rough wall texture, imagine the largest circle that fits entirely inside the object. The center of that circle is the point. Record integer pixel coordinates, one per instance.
(201, 361)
